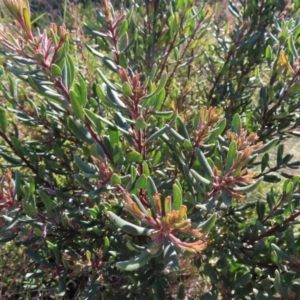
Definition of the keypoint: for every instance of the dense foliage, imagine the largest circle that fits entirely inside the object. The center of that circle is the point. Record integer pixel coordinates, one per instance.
(131, 167)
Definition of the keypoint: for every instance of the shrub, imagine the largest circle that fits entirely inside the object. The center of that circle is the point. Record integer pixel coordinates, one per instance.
(127, 167)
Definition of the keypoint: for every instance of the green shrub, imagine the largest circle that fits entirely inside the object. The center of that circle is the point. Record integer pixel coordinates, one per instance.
(132, 170)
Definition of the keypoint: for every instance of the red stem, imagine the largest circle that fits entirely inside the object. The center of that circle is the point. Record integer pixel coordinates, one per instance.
(272, 230)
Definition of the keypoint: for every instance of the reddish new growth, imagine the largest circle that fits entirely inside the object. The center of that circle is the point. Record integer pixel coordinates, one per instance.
(208, 117)
(43, 48)
(243, 141)
(167, 224)
(7, 187)
(105, 172)
(237, 175)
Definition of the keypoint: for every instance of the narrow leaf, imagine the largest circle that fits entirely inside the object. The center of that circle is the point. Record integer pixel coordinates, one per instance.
(170, 257)
(127, 226)
(203, 162)
(3, 120)
(76, 105)
(207, 225)
(161, 85)
(135, 263)
(230, 156)
(177, 197)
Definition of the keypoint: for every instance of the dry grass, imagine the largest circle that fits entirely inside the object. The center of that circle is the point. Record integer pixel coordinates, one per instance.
(190, 276)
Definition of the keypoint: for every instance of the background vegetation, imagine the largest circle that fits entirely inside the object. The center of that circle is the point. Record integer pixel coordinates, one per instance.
(142, 150)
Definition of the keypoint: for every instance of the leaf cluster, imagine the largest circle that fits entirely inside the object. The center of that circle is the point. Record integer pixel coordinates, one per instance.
(117, 171)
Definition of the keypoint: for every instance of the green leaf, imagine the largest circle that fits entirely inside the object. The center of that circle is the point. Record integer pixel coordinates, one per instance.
(48, 202)
(211, 273)
(259, 295)
(291, 47)
(56, 70)
(93, 51)
(243, 280)
(15, 162)
(146, 168)
(248, 188)
(55, 250)
(114, 100)
(204, 163)
(187, 145)
(271, 178)
(163, 114)
(106, 245)
(181, 294)
(207, 225)
(210, 296)
(267, 146)
(3, 120)
(26, 17)
(8, 238)
(157, 134)
(236, 124)
(61, 286)
(79, 131)
(135, 263)
(110, 64)
(278, 287)
(133, 155)
(170, 257)
(161, 85)
(264, 162)
(230, 156)
(199, 178)
(152, 190)
(126, 89)
(123, 28)
(269, 53)
(226, 199)
(233, 10)
(260, 209)
(220, 127)
(182, 130)
(176, 53)
(127, 226)
(153, 71)
(280, 253)
(177, 136)
(35, 275)
(280, 150)
(106, 81)
(29, 209)
(94, 119)
(83, 91)
(71, 70)
(96, 150)
(114, 137)
(85, 168)
(177, 197)
(159, 290)
(289, 188)
(76, 105)
(290, 240)
(115, 179)
(141, 183)
(133, 173)
(12, 223)
(118, 157)
(157, 101)
(140, 124)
